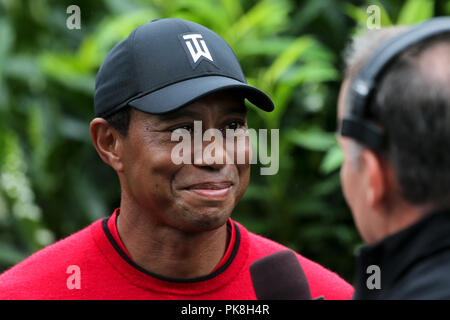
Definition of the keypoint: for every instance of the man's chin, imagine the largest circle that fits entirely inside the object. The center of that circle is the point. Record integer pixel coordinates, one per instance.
(204, 213)
(205, 218)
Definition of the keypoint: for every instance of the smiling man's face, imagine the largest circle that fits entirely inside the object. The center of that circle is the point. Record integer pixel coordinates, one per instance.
(188, 197)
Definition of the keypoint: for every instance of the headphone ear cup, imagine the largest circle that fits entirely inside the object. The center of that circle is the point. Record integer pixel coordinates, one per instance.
(364, 132)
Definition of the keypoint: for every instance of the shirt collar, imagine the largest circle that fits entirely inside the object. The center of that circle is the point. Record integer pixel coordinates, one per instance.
(395, 254)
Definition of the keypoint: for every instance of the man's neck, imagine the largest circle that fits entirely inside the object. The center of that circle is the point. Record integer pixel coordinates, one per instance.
(403, 216)
(167, 251)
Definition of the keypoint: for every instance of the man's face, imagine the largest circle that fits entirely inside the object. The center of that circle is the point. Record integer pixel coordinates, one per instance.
(189, 197)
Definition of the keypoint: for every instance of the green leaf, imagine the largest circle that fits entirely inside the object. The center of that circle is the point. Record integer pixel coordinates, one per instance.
(332, 160)
(10, 255)
(357, 14)
(24, 67)
(67, 70)
(312, 139)
(7, 41)
(113, 29)
(75, 129)
(233, 8)
(255, 192)
(264, 18)
(286, 59)
(311, 73)
(414, 11)
(205, 12)
(267, 46)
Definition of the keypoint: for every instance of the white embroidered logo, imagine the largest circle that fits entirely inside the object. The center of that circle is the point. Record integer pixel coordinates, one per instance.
(199, 49)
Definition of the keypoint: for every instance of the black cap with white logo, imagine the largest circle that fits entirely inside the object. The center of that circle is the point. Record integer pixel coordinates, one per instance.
(166, 64)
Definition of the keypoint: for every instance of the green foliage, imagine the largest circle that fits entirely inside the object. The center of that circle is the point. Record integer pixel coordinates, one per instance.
(52, 183)
(416, 11)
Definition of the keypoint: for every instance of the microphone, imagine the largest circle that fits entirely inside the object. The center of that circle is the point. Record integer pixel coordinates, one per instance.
(279, 276)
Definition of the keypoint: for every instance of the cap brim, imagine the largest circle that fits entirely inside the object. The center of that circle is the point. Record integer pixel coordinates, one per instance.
(182, 93)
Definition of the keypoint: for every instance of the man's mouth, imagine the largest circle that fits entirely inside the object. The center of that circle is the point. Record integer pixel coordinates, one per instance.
(213, 190)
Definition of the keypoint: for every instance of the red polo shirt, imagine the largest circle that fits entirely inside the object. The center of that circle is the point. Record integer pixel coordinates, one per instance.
(94, 264)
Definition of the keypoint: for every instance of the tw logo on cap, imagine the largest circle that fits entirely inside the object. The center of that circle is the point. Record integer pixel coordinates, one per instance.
(196, 48)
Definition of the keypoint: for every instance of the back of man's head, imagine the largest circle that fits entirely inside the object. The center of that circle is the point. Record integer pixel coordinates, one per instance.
(412, 105)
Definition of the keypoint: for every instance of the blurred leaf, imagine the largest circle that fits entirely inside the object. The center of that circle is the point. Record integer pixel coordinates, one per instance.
(233, 8)
(204, 12)
(264, 18)
(356, 13)
(309, 207)
(311, 73)
(119, 7)
(266, 46)
(26, 69)
(10, 255)
(332, 160)
(286, 59)
(310, 11)
(255, 192)
(7, 41)
(75, 129)
(268, 79)
(68, 71)
(92, 205)
(312, 138)
(414, 11)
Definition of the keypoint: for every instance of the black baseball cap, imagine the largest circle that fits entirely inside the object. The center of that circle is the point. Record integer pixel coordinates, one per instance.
(166, 64)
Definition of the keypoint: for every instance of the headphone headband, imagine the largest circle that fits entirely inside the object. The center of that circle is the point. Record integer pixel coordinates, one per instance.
(363, 87)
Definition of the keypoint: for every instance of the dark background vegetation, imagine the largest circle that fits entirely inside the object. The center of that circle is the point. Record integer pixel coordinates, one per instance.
(52, 182)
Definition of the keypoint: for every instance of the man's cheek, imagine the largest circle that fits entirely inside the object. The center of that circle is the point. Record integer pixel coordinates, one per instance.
(244, 178)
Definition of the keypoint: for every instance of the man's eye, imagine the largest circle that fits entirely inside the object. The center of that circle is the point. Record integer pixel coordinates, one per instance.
(187, 127)
(234, 125)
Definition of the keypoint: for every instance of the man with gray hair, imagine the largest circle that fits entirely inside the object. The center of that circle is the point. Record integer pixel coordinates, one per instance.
(394, 123)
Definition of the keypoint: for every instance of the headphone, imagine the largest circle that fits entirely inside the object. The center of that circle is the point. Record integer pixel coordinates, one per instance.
(362, 89)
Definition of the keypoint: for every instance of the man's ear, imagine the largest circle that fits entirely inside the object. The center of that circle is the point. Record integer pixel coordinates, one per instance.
(108, 142)
(377, 180)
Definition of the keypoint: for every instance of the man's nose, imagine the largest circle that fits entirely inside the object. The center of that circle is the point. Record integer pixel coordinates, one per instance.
(212, 154)
(220, 150)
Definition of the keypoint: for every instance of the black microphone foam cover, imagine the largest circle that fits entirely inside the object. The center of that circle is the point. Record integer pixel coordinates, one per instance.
(279, 276)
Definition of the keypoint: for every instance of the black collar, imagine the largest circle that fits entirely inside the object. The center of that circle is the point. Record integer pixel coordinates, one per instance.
(396, 254)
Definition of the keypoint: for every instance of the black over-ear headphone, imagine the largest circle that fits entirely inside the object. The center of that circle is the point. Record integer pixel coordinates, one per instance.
(357, 125)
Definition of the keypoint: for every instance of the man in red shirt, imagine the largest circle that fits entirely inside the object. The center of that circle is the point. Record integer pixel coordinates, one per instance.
(172, 237)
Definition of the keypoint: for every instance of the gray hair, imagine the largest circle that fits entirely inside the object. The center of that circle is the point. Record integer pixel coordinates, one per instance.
(360, 49)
